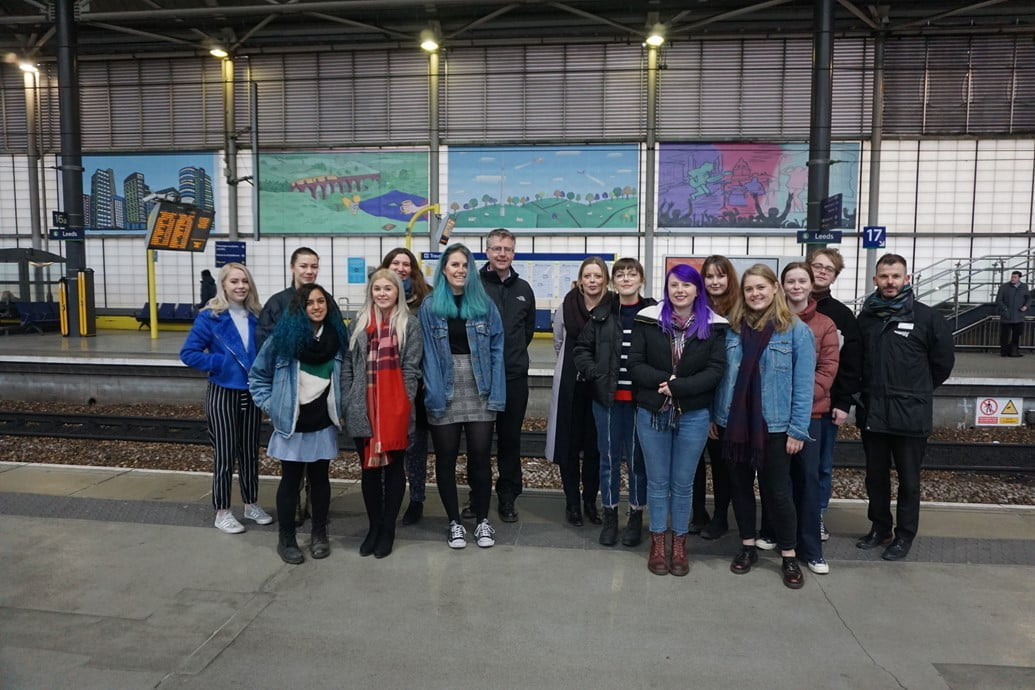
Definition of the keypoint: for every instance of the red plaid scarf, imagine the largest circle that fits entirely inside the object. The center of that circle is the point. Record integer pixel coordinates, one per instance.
(388, 405)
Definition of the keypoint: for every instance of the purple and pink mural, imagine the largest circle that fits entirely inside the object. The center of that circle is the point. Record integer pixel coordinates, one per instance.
(747, 184)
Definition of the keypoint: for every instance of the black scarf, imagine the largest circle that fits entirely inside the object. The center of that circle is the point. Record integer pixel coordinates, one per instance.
(576, 315)
(746, 430)
(321, 349)
(899, 305)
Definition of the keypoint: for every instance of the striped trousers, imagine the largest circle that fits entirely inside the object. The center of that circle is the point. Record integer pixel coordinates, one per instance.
(233, 429)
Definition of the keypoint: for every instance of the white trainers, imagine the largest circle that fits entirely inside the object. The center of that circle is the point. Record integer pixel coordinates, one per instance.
(824, 535)
(226, 522)
(765, 543)
(485, 534)
(819, 567)
(457, 535)
(253, 511)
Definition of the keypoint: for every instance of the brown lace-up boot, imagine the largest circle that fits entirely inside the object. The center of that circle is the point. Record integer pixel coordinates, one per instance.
(657, 562)
(680, 565)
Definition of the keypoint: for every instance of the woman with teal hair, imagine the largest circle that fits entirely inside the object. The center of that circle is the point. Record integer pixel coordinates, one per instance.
(464, 385)
(296, 381)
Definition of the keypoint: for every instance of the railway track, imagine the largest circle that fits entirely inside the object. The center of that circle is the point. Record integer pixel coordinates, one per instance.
(967, 457)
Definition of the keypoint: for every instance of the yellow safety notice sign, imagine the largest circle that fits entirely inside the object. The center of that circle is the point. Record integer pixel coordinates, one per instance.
(998, 411)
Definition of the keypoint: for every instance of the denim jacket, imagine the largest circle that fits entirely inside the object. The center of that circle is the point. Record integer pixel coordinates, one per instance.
(788, 368)
(485, 336)
(214, 346)
(273, 383)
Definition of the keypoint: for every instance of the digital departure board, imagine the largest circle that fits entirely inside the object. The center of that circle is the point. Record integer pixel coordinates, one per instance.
(178, 227)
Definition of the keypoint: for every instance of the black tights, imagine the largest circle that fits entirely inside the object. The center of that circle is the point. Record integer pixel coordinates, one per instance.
(479, 472)
(291, 474)
(383, 489)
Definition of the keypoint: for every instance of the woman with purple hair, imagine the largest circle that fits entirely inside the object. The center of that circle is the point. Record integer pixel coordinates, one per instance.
(676, 361)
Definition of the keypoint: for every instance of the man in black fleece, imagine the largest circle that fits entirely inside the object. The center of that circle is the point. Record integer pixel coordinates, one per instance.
(516, 302)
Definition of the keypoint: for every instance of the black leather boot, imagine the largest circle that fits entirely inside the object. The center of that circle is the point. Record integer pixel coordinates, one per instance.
(319, 545)
(370, 542)
(609, 534)
(633, 533)
(287, 549)
(385, 540)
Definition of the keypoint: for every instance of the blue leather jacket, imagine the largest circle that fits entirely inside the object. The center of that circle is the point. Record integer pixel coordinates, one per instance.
(214, 346)
(788, 368)
(273, 383)
(485, 335)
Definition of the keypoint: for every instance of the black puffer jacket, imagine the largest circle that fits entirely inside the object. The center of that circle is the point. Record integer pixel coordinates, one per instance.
(905, 357)
(598, 350)
(698, 373)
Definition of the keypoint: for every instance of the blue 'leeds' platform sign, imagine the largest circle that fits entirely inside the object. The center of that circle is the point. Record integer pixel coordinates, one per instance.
(230, 252)
(819, 237)
(875, 237)
(66, 233)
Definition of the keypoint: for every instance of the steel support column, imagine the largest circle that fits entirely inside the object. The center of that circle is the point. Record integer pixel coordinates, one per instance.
(647, 193)
(819, 126)
(876, 135)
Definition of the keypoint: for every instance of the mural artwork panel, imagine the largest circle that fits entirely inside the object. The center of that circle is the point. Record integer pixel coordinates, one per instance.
(365, 191)
(748, 184)
(545, 188)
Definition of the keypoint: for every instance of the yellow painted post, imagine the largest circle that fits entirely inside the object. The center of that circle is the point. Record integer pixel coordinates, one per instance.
(430, 209)
(152, 299)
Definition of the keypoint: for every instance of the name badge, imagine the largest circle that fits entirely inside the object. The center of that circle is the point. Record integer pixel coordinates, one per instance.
(905, 326)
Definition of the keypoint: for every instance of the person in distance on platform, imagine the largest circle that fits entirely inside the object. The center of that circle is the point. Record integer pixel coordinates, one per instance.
(907, 352)
(676, 362)
(222, 343)
(404, 263)
(464, 386)
(208, 288)
(720, 282)
(379, 379)
(601, 357)
(762, 411)
(571, 435)
(296, 381)
(797, 280)
(515, 300)
(1012, 302)
(827, 264)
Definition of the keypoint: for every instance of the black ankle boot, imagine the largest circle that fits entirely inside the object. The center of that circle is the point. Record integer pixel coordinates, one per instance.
(589, 508)
(633, 534)
(370, 542)
(413, 513)
(609, 534)
(385, 541)
(319, 545)
(287, 549)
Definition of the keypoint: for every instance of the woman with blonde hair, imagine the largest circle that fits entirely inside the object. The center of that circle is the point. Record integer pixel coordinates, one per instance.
(379, 378)
(571, 431)
(222, 343)
(763, 409)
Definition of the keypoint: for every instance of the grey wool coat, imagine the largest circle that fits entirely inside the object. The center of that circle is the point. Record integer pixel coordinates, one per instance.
(354, 379)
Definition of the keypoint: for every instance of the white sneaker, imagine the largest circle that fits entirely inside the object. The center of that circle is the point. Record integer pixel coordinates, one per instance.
(765, 543)
(485, 534)
(253, 511)
(824, 535)
(819, 567)
(457, 535)
(226, 522)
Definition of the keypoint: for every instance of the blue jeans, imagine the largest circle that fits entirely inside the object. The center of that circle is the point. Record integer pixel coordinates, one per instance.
(805, 483)
(672, 448)
(826, 438)
(616, 439)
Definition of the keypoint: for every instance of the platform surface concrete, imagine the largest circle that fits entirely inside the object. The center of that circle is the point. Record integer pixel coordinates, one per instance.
(113, 578)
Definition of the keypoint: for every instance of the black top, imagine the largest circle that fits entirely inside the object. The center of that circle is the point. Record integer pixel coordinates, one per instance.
(458, 342)
(313, 416)
(849, 367)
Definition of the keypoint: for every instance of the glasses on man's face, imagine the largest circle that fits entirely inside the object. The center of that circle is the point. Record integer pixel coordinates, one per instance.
(822, 267)
(501, 250)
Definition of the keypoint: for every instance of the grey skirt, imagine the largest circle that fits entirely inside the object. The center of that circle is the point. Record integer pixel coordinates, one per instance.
(467, 405)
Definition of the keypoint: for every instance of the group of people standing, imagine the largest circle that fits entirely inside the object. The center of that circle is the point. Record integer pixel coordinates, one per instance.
(759, 371)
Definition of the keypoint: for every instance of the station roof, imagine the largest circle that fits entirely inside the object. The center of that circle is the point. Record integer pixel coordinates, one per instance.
(141, 27)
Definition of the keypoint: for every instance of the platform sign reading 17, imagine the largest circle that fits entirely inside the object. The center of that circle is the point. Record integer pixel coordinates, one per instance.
(875, 237)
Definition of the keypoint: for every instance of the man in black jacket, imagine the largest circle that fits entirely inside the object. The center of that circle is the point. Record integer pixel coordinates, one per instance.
(827, 264)
(907, 353)
(516, 302)
(1011, 302)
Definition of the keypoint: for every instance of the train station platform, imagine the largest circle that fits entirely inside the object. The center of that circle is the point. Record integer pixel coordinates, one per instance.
(118, 366)
(115, 578)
